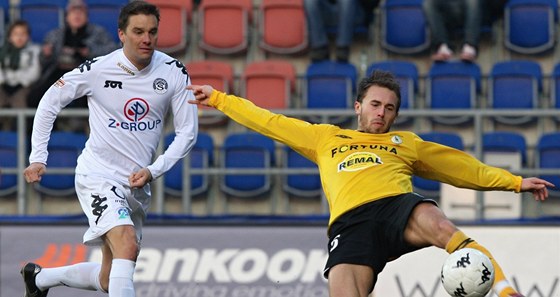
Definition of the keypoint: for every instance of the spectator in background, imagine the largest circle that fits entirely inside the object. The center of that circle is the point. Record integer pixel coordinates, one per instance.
(19, 68)
(445, 17)
(343, 15)
(67, 47)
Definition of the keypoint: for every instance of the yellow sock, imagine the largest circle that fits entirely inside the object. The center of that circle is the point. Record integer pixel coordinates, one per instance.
(501, 286)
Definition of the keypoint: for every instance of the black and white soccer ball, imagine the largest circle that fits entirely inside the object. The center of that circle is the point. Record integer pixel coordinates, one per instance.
(467, 273)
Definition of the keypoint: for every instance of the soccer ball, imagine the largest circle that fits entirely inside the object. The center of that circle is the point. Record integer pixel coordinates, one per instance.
(467, 273)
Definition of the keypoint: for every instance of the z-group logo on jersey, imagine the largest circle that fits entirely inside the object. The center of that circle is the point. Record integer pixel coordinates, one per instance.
(135, 110)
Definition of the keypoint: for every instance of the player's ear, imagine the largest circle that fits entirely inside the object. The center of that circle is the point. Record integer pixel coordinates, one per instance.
(357, 107)
(121, 35)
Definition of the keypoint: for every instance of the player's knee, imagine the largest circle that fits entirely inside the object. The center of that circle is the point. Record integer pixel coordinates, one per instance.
(130, 250)
(124, 244)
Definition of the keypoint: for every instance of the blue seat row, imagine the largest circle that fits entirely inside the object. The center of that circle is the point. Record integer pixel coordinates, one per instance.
(249, 150)
(547, 154)
(239, 150)
(46, 15)
(529, 26)
(514, 84)
(64, 149)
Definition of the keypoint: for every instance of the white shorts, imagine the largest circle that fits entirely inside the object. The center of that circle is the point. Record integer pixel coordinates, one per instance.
(108, 204)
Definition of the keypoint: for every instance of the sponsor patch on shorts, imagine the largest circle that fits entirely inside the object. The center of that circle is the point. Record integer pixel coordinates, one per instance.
(123, 213)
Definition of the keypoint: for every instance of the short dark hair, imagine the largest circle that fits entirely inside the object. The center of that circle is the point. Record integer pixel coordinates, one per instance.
(135, 8)
(383, 79)
(18, 23)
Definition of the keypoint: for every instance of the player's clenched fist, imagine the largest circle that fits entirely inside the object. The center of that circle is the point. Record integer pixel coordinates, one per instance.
(140, 178)
(34, 172)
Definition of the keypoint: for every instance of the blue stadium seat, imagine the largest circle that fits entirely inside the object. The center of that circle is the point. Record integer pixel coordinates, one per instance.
(505, 142)
(404, 29)
(548, 156)
(427, 187)
(5, 8)
(247, 150)
(64, 149)
(555, 87)
(4, 18)
(8, 159)
(453, 85)
(515, 84)
(106, 14)
(201, 156)
(300, 185)
(530, 25)
(43, 16)
(330, 85)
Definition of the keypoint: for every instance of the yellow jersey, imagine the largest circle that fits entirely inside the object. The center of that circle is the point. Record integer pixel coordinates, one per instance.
(357, 167)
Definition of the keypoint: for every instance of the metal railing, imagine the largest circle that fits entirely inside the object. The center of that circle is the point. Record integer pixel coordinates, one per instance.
(478, 116)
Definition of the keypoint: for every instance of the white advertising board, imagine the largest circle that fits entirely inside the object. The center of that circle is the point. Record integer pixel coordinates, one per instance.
(272, 261)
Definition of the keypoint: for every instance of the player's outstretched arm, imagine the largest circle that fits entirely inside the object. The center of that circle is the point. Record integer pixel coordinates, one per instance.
(537, 186)
(34, 171)
(201, 94)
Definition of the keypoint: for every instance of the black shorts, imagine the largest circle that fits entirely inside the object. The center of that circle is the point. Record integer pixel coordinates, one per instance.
(372, 234)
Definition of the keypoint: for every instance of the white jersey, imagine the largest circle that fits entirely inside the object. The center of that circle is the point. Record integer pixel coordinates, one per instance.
(127, 108)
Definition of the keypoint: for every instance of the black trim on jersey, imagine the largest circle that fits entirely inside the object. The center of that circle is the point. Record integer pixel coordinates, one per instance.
(86, 64)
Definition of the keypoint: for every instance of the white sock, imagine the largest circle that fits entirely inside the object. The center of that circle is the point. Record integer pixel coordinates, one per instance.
(120, 278)
(81, 276)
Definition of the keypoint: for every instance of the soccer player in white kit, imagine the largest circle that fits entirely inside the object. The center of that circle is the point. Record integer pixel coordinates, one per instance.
(129, 93)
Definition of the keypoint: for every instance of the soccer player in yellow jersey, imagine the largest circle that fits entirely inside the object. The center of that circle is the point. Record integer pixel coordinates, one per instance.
(366, 176)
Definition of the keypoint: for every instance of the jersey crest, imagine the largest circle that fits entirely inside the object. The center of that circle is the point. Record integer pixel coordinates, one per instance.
(160, 86)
